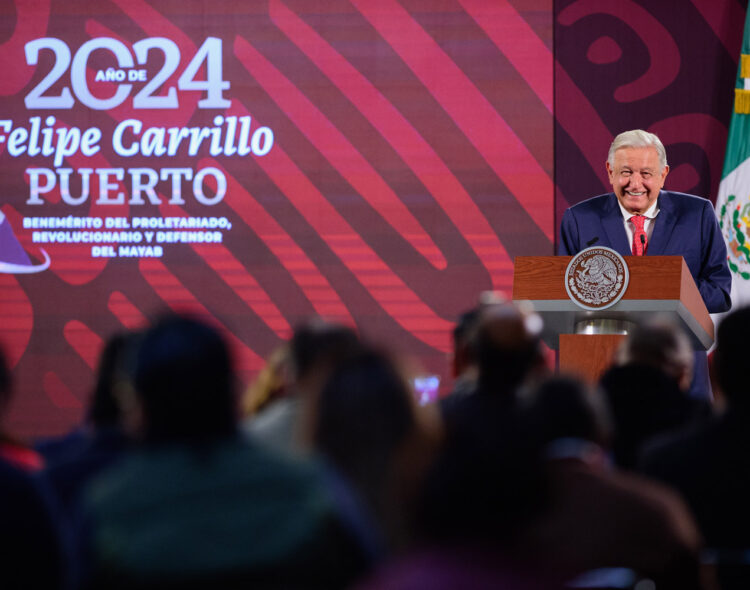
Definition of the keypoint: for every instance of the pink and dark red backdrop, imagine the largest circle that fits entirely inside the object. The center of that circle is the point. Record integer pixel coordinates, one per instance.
(397, 156)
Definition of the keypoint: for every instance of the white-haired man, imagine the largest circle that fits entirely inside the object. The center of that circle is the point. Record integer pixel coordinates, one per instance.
(640, 218)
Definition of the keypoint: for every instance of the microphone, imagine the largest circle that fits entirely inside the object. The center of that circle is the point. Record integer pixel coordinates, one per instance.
(643, 243)
(592, 241)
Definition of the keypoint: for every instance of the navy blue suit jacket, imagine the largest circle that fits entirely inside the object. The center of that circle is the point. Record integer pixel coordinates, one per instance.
(685, 226)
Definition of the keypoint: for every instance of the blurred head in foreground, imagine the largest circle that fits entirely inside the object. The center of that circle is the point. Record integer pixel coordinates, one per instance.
(663, 345)
(184, 381)
(370, 427)
(508, 347)
(730, 358)
(316, 348)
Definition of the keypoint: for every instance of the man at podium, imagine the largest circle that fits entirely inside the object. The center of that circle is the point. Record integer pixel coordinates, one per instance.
(639, 218)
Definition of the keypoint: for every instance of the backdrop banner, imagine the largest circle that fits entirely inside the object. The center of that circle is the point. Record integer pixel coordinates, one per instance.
(255, 163)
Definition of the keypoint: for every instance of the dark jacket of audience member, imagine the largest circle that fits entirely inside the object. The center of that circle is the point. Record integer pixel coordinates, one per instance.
(32, 551)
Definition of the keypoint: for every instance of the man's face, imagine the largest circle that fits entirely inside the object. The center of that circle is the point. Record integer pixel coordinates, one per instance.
(637, 177)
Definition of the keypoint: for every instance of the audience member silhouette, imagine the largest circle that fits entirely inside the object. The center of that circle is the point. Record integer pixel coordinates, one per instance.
(464, 359)
(516, 490)
(509, 356)
(710, 464)
(370, 428)
(486, 445)
(647, 390)
(32, 554)
(316, 348)
(487, 484)
(12, 449)
(198, 506)
(71, 461)
(598, 517)
(508, 349)
(661, 344)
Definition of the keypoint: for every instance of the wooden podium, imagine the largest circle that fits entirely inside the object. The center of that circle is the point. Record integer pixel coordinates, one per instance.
(659, 286)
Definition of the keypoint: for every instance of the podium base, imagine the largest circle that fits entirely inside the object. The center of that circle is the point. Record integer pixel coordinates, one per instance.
(587, 356)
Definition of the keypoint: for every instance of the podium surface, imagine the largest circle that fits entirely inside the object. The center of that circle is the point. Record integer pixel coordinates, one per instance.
(658, 286)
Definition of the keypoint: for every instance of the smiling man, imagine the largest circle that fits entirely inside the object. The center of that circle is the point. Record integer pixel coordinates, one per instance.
(637, 175)
(639, 218)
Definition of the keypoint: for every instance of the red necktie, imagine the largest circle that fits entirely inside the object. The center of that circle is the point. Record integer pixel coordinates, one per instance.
(639, 235)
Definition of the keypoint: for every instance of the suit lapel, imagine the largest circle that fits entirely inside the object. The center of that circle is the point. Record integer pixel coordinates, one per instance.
(615, 228)
(663, 225)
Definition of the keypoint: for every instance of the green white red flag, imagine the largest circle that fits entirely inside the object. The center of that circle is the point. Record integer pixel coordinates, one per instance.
(733, 200)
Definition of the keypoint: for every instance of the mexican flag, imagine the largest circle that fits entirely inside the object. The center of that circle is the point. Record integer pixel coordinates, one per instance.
(733, 201)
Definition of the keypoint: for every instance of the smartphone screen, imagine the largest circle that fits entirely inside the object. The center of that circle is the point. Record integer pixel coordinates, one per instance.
(427, 388)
